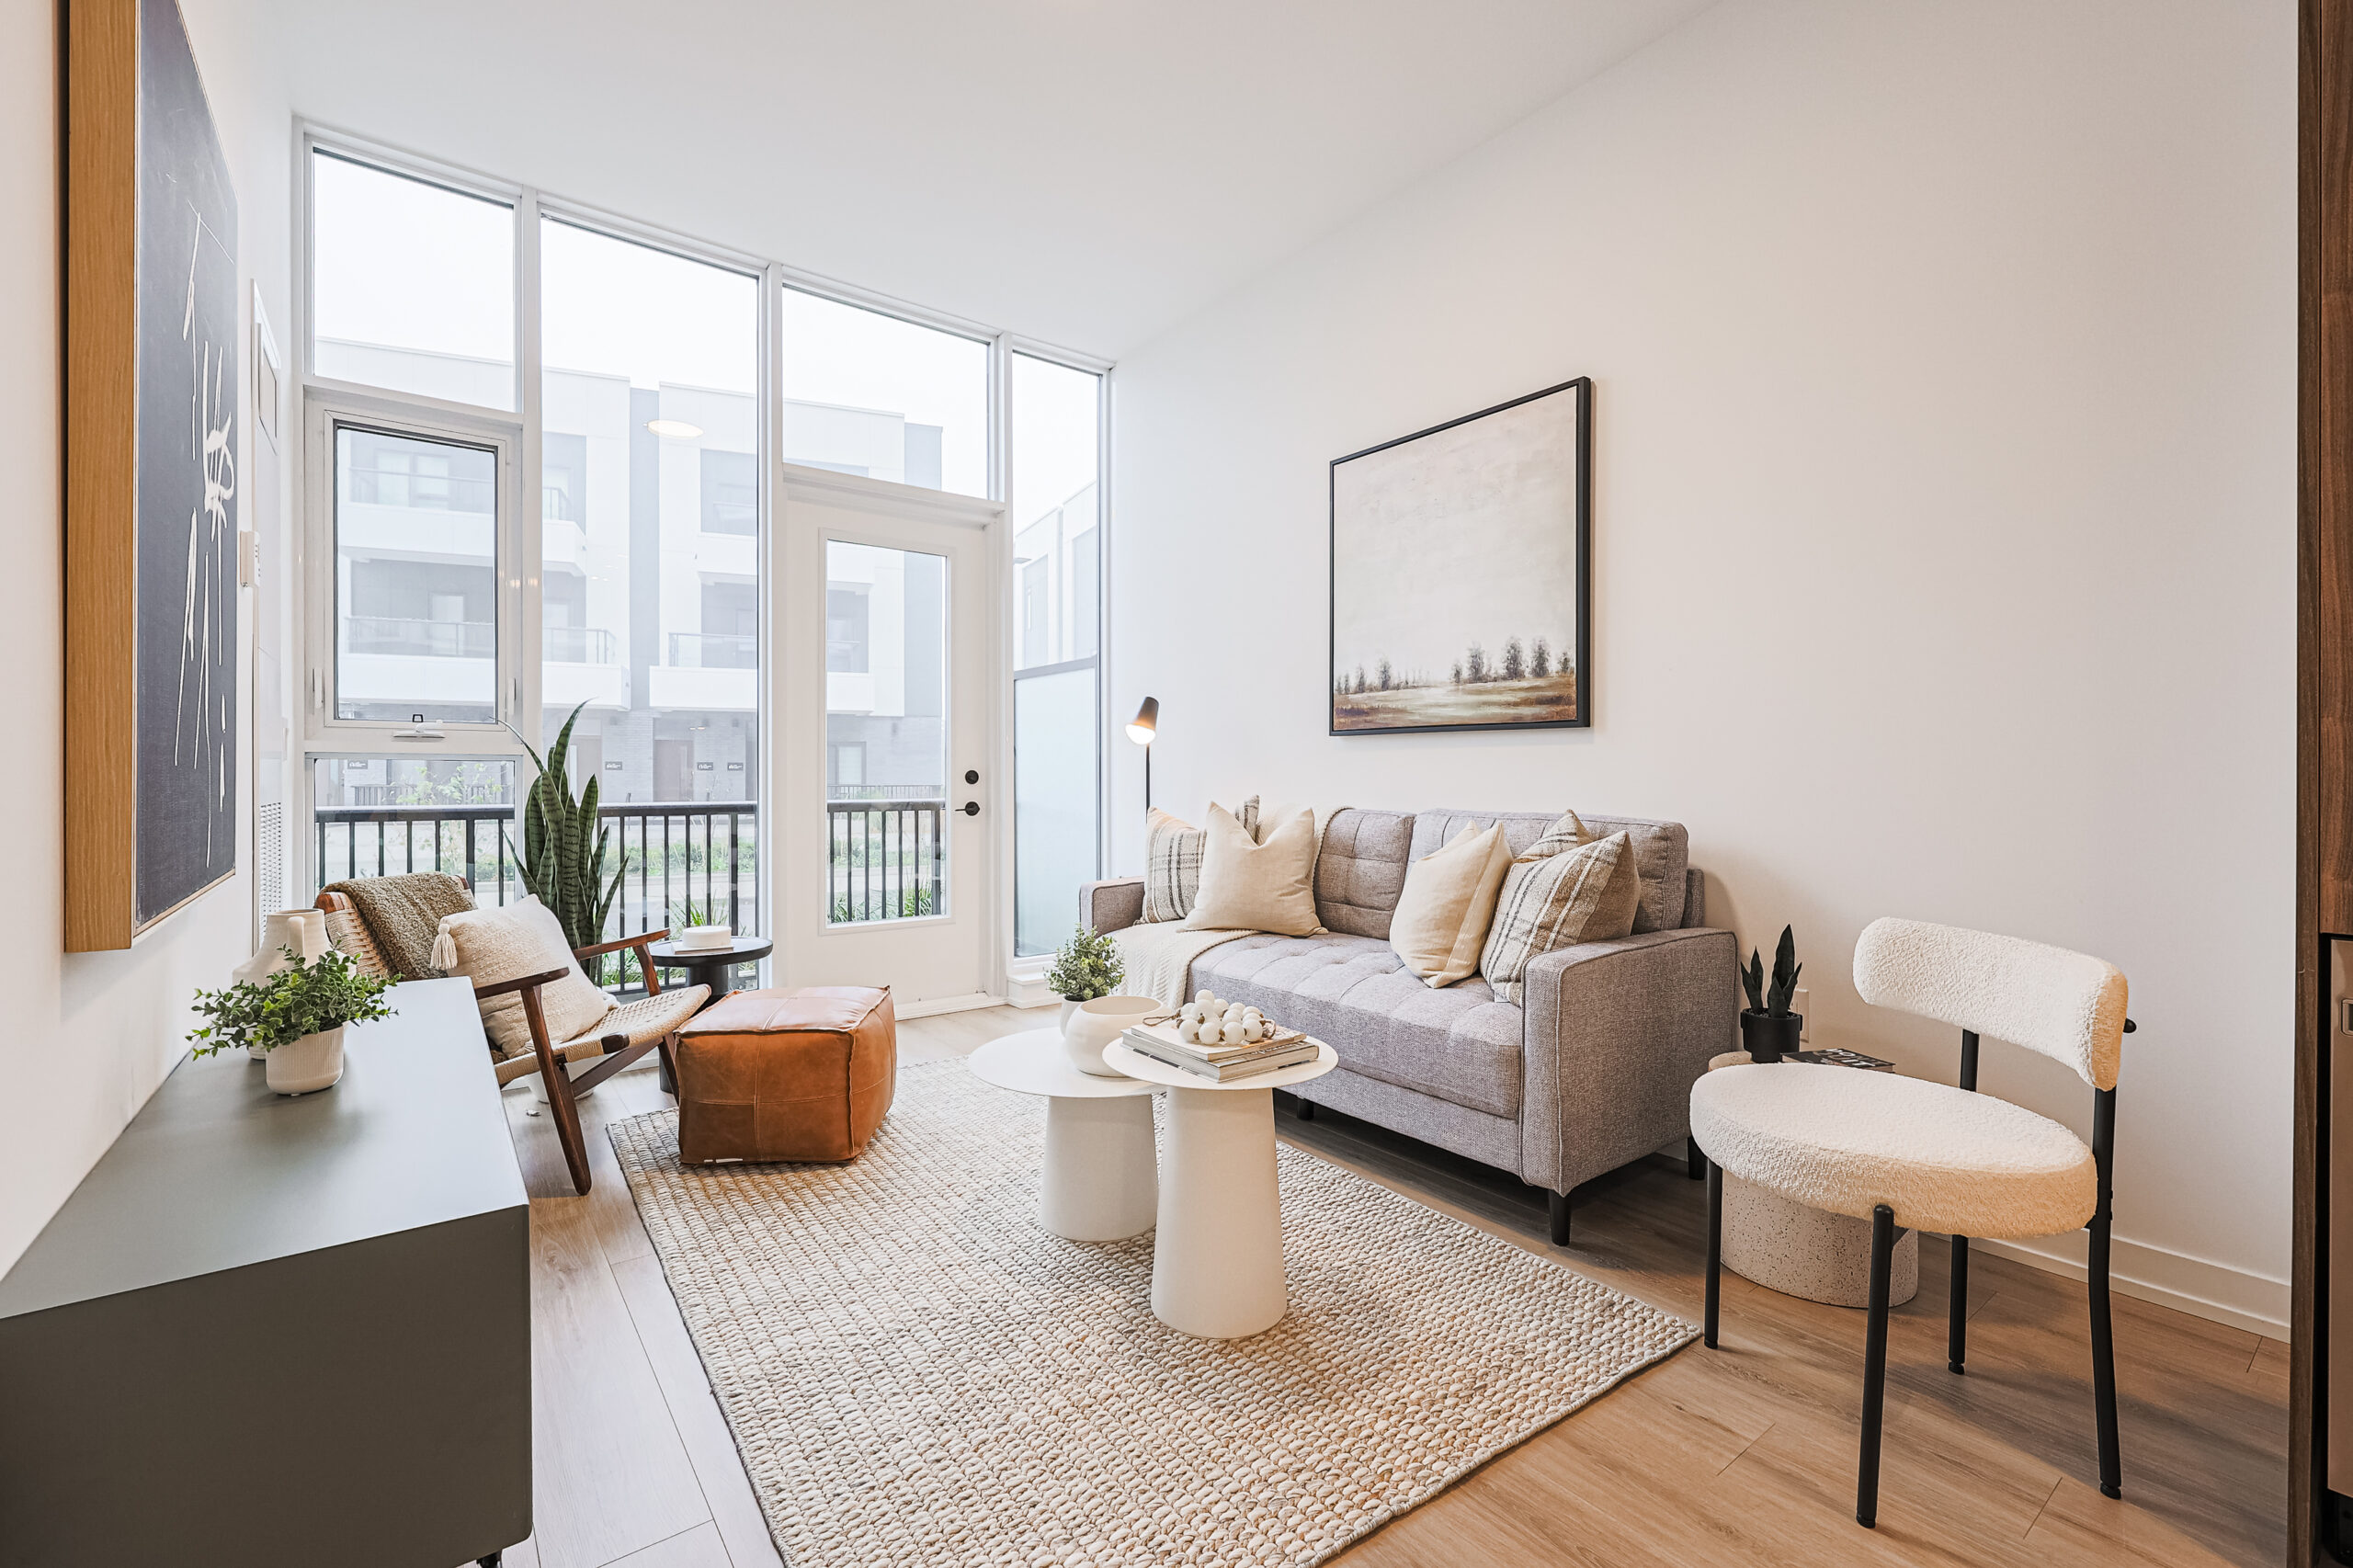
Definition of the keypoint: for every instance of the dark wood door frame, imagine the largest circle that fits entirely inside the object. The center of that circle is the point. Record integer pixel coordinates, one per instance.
(2324, 675)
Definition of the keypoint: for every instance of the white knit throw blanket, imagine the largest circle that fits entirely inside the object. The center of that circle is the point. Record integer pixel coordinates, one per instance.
(1160, 955)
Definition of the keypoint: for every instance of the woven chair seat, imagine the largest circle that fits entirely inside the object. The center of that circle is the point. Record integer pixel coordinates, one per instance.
(646, 1018)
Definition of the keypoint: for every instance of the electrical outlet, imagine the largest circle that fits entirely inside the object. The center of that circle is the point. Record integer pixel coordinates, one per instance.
(1805, 1015)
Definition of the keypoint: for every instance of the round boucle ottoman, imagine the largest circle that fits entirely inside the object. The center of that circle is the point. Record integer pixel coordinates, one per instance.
(1812, 1254)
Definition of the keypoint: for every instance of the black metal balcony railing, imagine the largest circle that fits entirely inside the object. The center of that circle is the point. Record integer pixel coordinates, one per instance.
(884, 859)
(415, 638)
(701, 853)
(714, 651)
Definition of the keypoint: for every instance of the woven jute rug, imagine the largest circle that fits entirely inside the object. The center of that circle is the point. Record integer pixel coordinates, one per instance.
(917, 1373)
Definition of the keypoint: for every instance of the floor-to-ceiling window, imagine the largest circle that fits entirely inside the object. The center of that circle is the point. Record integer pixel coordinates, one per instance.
(1058, 632)
(534, 478)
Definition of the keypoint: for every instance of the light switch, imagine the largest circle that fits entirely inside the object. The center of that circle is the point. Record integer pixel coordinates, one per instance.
(1805, 1015)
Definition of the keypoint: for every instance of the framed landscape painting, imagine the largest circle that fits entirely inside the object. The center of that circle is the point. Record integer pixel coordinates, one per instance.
(1462, 593)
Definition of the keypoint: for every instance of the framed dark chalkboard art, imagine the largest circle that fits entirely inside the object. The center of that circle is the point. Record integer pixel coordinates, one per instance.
(152, 331)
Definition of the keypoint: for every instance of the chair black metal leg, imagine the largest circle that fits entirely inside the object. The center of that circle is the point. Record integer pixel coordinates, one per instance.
(1556, 1207)
(1715, 1254)
(2111, 1463)
(1694, 1163)
(490, 1562)
(1875, 1366)
(1957, 1333)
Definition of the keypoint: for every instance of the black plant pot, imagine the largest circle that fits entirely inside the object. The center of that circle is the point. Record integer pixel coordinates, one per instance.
(1767, 1038)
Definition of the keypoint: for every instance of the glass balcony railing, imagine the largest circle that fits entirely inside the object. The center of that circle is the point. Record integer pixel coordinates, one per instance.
(714, 651)
(400, 636)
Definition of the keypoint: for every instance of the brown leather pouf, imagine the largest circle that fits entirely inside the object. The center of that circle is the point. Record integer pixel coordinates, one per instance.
(801, 1073)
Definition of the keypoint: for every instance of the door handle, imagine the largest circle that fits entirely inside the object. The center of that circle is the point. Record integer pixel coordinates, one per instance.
(971, 808)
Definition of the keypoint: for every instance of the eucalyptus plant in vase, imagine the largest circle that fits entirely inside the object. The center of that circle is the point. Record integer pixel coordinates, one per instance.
(1768, 1031)
(293, 1018)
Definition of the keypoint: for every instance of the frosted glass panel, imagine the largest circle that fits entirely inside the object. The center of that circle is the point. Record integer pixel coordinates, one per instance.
(1053, 822)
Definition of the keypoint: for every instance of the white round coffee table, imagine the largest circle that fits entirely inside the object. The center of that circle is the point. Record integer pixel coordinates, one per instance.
(1217, 1262)
(1101, 1181)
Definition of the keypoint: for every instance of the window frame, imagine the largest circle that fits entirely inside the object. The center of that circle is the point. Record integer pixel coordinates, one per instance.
(517, 434)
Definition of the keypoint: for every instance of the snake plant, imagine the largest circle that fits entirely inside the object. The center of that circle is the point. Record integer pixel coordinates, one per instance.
(562, 858)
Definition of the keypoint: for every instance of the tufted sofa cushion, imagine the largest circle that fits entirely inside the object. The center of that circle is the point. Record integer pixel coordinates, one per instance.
(1661, 852)
(1360, 869)
(1458, 1044)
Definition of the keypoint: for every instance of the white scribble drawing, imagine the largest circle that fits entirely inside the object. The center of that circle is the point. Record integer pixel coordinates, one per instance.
(206, 619)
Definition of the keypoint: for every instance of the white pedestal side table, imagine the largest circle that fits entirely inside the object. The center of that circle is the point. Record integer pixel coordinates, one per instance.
(1216, 1260)
(1102, 1180)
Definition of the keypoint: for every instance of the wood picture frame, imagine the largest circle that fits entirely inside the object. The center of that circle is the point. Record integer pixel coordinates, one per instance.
(1460, 572)
(152, 348)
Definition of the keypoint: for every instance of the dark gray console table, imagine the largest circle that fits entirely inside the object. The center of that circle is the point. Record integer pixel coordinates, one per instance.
(268, 1331)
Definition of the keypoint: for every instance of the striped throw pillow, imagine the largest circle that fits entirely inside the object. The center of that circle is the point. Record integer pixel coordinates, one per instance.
(1586, 894)
(1172, 861)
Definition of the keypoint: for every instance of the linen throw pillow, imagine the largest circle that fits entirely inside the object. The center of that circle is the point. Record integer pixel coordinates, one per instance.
(1441, 919)
(1172, 861)
(487, 946)
(1586, 894)
(1248, 886)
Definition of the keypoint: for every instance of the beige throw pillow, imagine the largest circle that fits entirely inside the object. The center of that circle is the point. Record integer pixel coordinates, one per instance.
(1248, 886)
(1442, 915)
(1172, 861)
(1587, 894)
(487, 946)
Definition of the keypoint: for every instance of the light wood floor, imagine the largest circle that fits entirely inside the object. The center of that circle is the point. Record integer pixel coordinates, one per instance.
(1744, 1454)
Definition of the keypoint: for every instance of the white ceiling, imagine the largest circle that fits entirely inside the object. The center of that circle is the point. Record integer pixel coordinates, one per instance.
(1084, 172)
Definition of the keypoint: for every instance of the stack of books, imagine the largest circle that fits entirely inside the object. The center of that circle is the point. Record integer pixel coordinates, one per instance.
(1222, 1064)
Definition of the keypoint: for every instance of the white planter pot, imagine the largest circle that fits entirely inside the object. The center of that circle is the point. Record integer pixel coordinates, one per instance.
(304, 930)
(314, 1061)
(1070, 1008)
(1096, 1024)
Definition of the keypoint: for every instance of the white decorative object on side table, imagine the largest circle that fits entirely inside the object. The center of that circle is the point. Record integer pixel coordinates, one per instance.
(1216, 1260)
(1101, 1178)
(1092, 1025)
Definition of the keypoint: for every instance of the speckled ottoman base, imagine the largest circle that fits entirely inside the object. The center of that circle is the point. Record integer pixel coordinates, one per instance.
(1810, 1253)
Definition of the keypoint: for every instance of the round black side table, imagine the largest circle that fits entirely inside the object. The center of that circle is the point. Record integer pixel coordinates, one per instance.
(711, 966)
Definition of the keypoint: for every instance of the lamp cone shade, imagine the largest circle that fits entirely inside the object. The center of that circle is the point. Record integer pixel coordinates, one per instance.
(1146, 723)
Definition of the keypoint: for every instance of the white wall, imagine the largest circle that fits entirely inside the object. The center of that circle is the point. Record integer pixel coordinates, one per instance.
(1943, 514)
(89, 1036)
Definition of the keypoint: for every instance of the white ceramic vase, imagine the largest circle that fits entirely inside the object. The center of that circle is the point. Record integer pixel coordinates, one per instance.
(1070, 1010)
(311, 1063)
(1096, 1024)
(304, 930)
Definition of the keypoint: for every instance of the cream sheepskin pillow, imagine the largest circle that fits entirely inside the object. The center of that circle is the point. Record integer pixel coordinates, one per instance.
(1442, 915)
(487, 946)
(1249, 886)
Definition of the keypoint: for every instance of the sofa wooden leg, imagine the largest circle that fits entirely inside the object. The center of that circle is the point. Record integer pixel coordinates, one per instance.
(1306, 1110)
(1556, 1207)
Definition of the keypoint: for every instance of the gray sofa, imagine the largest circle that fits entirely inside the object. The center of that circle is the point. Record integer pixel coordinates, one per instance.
(1595, 1071)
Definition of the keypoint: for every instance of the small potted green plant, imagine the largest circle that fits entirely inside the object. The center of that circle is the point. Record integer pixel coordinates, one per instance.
(294, 1019)
(1085, 966)
(1768, 1031)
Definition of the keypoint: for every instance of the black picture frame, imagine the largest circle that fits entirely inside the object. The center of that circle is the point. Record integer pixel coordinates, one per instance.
(1449, 706)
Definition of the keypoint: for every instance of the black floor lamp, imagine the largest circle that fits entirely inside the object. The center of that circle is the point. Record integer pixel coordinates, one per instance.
(1141, 730)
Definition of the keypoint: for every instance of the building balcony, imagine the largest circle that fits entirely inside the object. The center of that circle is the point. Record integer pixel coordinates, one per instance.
(714, 651)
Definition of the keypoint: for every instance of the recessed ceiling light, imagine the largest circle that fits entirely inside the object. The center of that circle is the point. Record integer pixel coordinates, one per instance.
(674, 429)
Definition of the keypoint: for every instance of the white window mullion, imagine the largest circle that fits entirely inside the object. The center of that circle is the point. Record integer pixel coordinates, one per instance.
(521, 688)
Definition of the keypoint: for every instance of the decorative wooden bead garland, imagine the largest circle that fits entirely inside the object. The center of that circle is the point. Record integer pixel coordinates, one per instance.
(1210, 1019)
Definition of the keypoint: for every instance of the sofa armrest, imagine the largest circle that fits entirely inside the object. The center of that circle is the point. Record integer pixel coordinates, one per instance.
(1615, 1035)
(1111, 905)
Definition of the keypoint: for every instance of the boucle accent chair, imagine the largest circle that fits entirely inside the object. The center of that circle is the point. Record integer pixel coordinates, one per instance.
(387, 929)
(1909, 1154)
(1592, 1070)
